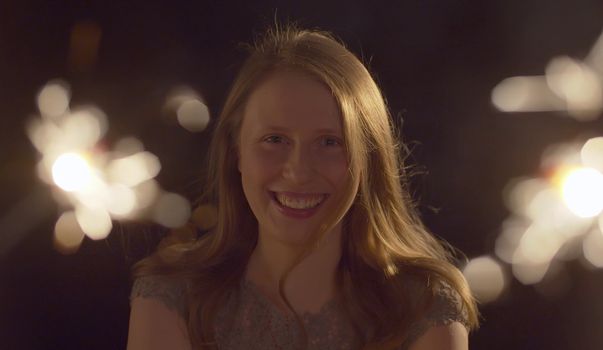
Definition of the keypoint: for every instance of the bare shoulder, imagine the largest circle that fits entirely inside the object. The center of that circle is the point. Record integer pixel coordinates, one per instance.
(156, 317)
(452, 336)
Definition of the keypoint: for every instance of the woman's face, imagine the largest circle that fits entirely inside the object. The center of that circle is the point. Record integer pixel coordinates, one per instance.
(292, 156)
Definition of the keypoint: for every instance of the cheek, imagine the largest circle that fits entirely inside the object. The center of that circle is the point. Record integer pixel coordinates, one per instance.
(257, 166)
(335, 169)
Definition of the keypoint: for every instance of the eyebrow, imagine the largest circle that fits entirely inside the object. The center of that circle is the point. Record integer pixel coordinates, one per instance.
(281, 129)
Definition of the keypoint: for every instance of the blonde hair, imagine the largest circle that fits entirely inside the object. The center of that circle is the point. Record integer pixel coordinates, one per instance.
(384, 239)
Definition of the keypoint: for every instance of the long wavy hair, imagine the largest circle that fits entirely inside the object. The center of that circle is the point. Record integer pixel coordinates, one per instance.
(384, 241)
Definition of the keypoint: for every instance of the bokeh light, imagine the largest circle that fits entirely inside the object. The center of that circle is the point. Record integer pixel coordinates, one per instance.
(68, 234)
(568, 85)
(577, 84)
(524, 94)
(486, 278)
(593, 248)
(592, 153)
(172, 210)
(53, 99)
(134, 169)
(71, 172)
(100, 184)
(189, 107)
(528, 273)
(193, 115)
(583, 192)
(95, 222)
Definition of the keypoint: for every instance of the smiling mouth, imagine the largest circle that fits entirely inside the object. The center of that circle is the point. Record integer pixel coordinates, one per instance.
(299, 201)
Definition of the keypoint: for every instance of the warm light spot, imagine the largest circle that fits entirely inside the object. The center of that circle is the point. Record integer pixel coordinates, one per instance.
(71, 172)
(530, 273)
(578, 85)
(583, 192)
(486, 278)
(530, 94)
(592, 153)
(172, 210)
(53, 99)
(205, 216)
(68, 235)
(134, 169)
(548, 211)
(146, 193)
(95, 222)
(593, 248)
(538, 246)
(81, 130)
(121, 200)
(193, 115)
(519, 193)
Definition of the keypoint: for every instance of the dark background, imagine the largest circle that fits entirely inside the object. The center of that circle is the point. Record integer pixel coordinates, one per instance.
(437, 62)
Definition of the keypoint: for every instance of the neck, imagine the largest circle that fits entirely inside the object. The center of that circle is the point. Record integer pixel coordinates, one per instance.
(310, 283)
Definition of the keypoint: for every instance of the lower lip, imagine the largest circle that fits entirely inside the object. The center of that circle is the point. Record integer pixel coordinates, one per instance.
(296, 213)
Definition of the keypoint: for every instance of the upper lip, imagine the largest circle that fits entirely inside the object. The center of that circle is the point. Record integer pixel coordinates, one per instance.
(299, 194)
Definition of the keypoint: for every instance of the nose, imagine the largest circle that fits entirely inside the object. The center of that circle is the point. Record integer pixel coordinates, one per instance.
(298, 167)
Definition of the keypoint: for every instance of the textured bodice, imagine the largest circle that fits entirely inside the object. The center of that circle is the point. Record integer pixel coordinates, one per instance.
(249, 320)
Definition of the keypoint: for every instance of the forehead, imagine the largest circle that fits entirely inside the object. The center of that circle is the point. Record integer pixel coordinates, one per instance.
(292, 100)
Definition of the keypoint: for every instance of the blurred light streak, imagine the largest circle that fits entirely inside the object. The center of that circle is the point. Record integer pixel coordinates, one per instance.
(583, 192)
(486, 278)
(568, 85)
(68, 235)
(537, 246)
(134, 169)
(525, 94)
(578, 85)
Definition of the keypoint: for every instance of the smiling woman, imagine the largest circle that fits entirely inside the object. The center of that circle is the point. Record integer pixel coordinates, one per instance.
(317, 244)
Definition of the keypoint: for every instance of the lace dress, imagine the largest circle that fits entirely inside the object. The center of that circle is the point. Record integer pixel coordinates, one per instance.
(250, 321)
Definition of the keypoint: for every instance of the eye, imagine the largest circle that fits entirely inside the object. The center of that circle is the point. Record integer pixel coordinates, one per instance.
(273, 139)
(331, 141)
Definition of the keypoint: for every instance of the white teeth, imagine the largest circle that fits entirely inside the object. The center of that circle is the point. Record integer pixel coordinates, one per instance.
(300, 203)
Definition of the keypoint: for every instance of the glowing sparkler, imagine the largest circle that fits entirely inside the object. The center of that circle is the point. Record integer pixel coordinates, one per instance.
(102, 186)
(568, 85)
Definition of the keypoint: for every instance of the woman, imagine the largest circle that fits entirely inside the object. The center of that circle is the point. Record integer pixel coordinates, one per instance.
(317, 244)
